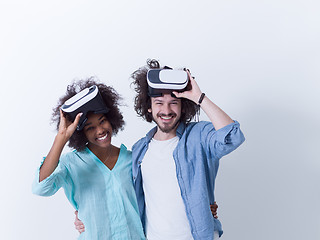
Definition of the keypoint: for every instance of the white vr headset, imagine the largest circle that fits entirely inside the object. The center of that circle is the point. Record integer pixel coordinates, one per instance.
(166, 80)
(88, 100)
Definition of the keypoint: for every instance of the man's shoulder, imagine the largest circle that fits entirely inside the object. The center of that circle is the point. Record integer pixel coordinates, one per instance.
(192, 126)
(139, 143)
(142, 141)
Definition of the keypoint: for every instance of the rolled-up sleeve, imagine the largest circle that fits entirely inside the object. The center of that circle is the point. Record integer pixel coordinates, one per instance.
(51, 184)
(224, 140)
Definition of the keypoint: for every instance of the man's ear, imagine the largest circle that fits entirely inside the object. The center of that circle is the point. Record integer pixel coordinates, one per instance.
(149, 110)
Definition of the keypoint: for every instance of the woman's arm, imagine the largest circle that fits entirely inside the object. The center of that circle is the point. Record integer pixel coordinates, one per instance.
(66, 129)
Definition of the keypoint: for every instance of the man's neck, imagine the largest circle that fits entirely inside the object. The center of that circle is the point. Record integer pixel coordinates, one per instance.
(162, 136)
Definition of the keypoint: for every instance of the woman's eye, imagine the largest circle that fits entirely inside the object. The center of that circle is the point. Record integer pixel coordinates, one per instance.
(89, 128)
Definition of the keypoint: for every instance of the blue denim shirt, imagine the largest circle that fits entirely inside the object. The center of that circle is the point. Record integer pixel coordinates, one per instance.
(197, 158)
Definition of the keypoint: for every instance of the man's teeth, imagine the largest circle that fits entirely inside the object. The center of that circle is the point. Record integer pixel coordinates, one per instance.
(104, 137)
(166, 118)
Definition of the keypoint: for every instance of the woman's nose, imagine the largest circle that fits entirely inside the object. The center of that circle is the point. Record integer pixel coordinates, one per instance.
(100, 130)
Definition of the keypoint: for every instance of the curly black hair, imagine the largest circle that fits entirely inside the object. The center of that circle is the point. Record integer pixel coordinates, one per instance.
(111, 99)
(142, 101)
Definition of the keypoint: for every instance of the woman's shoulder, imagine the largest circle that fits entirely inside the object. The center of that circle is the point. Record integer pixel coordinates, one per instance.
(125, 151)
(73, 156)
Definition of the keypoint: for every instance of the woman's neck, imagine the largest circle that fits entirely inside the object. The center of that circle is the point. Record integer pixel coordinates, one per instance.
(101, 153)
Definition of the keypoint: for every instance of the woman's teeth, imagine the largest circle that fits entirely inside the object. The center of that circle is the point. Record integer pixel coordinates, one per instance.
(103, 138)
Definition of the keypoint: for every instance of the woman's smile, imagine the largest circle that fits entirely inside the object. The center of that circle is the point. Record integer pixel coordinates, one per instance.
(103, 138)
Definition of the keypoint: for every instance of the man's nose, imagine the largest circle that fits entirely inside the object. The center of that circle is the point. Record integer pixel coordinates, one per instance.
(166, 109)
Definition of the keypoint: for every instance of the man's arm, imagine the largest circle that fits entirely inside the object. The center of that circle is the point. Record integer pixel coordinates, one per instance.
(216, 115)
(81, 228)
(78, 224)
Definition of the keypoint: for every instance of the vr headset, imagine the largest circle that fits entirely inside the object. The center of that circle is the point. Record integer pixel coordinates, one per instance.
(88, 100)
(166, 80)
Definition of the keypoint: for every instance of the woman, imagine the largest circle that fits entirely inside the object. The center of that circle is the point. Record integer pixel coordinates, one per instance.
(96, 176)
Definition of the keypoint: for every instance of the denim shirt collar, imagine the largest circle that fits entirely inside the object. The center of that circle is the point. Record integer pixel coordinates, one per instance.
(180, 130)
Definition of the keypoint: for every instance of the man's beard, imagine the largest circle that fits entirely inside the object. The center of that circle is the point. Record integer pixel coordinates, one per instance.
(167, 128)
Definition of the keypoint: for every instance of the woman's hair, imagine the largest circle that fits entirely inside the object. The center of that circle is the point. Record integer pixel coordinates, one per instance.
(111, 99)
(142, 101)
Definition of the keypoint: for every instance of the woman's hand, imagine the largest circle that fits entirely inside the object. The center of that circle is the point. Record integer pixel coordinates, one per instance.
(214, 210)
(66, 127)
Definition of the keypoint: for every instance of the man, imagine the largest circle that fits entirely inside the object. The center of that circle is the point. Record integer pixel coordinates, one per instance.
(176, 163)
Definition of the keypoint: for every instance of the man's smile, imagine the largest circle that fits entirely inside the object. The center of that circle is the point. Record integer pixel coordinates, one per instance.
(167, 116)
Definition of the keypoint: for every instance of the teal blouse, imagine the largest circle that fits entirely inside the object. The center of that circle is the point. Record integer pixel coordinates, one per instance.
(104, 198)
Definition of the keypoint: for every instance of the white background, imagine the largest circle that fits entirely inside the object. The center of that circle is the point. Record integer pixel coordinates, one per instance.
(258, 60)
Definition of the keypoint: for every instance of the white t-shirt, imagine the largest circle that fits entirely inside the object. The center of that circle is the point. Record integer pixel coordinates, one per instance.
(165, 211)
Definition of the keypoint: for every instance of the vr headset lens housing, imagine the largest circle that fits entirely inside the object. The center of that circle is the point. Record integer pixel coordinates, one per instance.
(162, 81)
(88, 100)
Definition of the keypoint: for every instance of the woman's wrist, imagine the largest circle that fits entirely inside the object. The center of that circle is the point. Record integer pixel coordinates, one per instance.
(61, 138)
